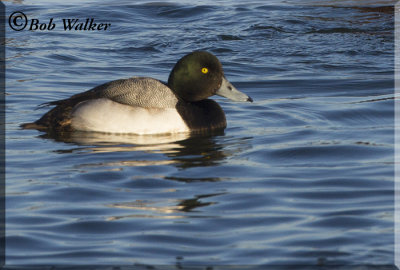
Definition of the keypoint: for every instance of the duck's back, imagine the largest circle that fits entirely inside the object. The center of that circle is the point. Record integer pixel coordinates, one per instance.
(138, 92)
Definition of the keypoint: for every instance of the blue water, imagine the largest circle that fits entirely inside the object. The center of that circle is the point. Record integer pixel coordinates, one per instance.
(302, 176)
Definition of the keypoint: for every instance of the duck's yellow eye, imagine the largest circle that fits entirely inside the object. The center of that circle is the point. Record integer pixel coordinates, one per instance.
(204, 70)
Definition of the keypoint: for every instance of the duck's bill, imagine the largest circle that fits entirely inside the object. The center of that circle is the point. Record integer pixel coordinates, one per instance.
(229, 91)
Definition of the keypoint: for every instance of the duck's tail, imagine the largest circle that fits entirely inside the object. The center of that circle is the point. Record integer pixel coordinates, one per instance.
(32, 126)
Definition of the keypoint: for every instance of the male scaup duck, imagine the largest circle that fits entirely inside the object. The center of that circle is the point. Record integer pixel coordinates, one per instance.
(143, 105)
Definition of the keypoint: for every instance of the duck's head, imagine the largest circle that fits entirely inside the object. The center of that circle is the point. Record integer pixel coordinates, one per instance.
(199, 75)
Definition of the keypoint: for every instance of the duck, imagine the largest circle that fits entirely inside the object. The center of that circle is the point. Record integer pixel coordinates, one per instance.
(144, 105)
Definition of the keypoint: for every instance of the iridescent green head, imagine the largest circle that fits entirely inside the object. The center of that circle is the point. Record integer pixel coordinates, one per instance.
(199, 75)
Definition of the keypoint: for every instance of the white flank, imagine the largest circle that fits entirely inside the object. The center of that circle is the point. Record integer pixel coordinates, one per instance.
(104, 115)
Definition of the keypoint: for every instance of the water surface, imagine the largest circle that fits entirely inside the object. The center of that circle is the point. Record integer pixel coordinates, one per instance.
(302, 176)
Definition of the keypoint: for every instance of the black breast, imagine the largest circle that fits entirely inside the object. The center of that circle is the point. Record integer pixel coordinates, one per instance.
(202, 115)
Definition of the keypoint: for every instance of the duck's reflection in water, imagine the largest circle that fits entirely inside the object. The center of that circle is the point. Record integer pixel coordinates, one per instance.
(182, 150)
(152, 210)
(97, 142)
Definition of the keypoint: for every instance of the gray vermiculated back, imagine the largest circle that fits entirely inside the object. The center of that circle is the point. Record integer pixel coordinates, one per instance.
(139, 91)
